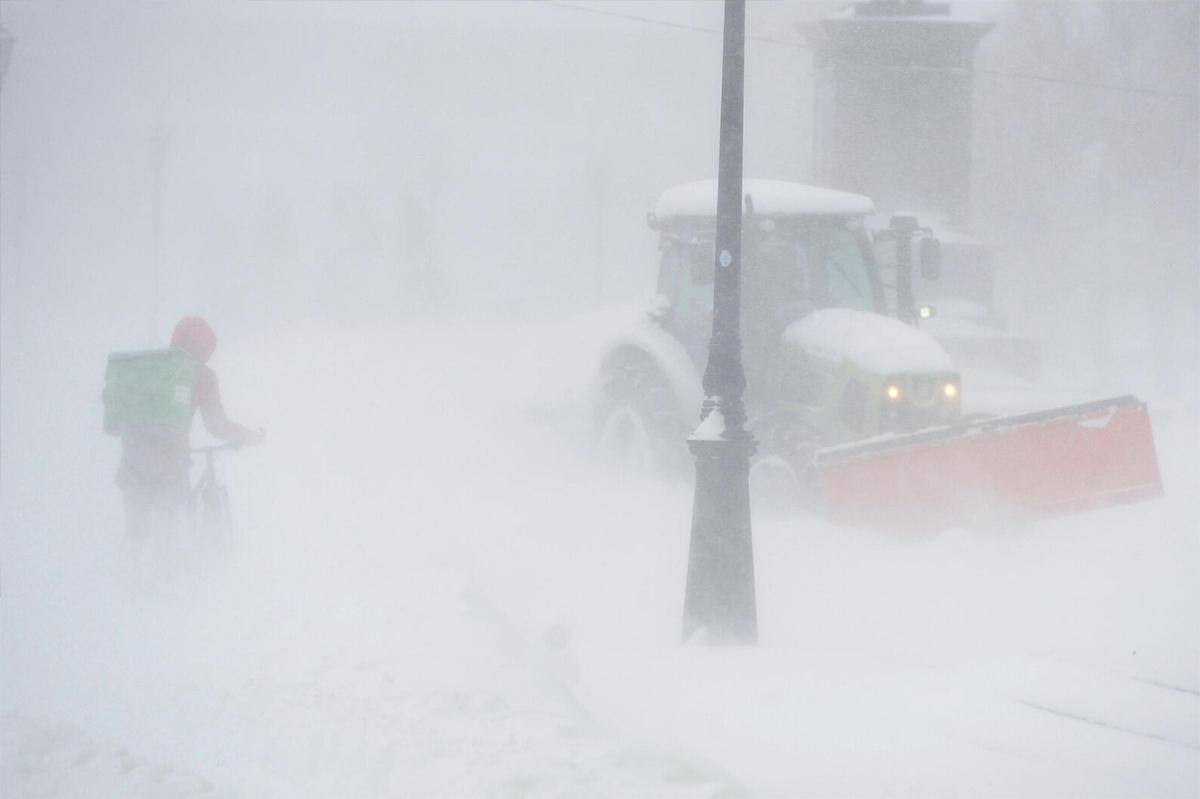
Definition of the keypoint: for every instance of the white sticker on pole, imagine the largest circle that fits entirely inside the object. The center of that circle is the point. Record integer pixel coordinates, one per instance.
(726, 259)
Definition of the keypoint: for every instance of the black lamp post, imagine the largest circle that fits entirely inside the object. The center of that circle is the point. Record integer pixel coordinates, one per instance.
(719, 601)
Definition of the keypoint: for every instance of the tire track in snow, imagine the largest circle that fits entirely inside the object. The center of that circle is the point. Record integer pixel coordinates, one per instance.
(1107, 725)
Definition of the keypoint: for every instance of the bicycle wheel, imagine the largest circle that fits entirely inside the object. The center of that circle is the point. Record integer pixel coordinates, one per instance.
(215, 528)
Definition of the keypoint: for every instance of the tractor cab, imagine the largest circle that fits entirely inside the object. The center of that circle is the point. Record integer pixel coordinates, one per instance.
(803, 248)
(808, 267)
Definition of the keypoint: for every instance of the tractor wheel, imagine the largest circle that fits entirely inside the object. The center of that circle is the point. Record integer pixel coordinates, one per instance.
(639, 425)
(783, 476)
(775, 486)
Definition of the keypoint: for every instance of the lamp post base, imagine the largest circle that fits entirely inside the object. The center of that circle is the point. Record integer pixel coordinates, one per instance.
(719, 602)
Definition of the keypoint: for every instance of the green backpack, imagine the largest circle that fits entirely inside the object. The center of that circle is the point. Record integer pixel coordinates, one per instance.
(149, 391)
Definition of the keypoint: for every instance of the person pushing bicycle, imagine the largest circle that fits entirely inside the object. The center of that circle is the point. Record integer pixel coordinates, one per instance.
(165, 388)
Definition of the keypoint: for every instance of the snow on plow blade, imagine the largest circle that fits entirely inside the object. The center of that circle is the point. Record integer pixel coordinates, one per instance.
(1060, 461)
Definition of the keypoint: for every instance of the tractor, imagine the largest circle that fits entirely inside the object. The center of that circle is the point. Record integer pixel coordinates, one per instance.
(826, 359)
(835, 363)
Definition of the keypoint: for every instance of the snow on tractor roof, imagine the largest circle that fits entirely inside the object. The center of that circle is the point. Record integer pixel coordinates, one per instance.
(770, 197)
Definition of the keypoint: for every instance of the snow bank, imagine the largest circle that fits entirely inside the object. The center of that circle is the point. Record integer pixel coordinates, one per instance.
(62, 760)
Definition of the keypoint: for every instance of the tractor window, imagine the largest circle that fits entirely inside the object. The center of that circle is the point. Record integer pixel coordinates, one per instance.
(694, 282)
(702, 260)
(849, 274)
(694, 295)
(779, 268)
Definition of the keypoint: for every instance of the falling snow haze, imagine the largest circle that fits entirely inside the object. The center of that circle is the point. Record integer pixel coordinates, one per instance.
(413, 226)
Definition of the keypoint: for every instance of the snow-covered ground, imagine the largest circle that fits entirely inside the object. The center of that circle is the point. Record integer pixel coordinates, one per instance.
(439, 593)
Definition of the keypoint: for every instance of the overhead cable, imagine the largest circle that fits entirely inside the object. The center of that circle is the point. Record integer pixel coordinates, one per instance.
(604, 12)
(801, 45)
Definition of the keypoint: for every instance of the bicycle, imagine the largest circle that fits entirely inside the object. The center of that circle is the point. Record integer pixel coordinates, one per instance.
(209, 513)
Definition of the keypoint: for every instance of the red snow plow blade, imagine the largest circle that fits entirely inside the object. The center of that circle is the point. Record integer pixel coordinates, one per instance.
(1040, 464)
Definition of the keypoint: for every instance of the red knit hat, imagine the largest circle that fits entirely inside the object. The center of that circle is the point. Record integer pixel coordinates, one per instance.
(194, 335)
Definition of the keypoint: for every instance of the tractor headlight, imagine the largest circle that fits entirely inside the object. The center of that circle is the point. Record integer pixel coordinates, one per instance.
(892, 391)
(950, 391)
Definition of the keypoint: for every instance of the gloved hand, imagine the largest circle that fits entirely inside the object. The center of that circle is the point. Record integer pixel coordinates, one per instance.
(255, 436)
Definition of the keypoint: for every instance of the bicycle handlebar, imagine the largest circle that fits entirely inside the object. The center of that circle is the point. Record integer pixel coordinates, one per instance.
(228, 446)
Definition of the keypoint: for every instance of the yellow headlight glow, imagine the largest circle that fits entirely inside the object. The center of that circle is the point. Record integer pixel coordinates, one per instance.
(950, 390)
(893, 392)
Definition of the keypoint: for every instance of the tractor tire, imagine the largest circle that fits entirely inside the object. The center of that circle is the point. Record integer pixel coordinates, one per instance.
(783, 476)
(775, 486)
(639, 425)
